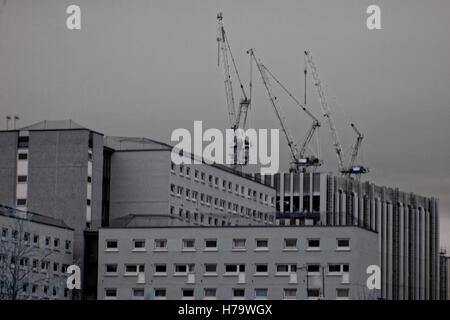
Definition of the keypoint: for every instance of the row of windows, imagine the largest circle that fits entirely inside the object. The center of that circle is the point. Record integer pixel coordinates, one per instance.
(207, 200)
(237, 243)
(36, 264)
(36, 290)
(211, 293)
(229, 268)
(200, 217)
(226, 185)
(35, 239)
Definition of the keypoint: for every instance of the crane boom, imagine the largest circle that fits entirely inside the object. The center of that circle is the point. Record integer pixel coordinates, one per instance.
(311, 131)
(262, 70)
(223, 47)
(352, 168)
(326, 111)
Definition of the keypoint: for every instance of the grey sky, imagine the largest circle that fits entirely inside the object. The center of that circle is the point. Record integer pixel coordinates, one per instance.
(144, 68)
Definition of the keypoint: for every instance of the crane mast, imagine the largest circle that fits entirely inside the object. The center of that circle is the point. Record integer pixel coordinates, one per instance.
(326, 111)
(352, 168)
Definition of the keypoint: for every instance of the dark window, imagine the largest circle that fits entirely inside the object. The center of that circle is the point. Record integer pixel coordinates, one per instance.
(261, 268)
(316, 203)
(22, 142)
(343, 243)
(188, 292)
(231, 268)
(210, 268)
(21, 178)
(111, 268)
(91, 140)
(238, 292)
(314, 293)
(160, 292)
(23, 156)
(88, 202)
(345, 268)
(89, 179)
(314, 243)
(313, 268)
(160, 268)
(111, 244)
(211, 243)
(334, 268)
(21, 202)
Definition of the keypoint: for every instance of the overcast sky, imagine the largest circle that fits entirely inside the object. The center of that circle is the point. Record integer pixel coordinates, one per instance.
(145, 68)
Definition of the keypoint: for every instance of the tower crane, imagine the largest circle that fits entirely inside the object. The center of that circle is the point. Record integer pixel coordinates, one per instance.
(237, 121)
(297, 153)
(352, 168)
(326, 111)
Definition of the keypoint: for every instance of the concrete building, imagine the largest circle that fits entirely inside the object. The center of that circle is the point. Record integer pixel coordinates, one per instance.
(241, 262)
(68, 172)
(444, 280)
(37, 250)
(144, 181)
(407, 224)
(51, 168)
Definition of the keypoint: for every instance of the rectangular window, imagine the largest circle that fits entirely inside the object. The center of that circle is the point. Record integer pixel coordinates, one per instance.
(210, 292)
(262, 243)
(89, 179)
(188, 243)
(160, 293)
(160, 268)
(21, 202)
(188, 293)
(56, 242)
(138, 293)
(290, 293)
(261, 293)
(133, 269)
(334, 268)
(210, 268)
(343, 244)
(22, 156)
(342, 293)
(286, 268)
(313, 268)
(139, 244)
(21, 179)
(234, 268)
(4, 233)
(313, 244)
(184, 268)
(111, 293)
(314, 293)
(211, 244)
(111, 244)
(111, 268)
(160, 244)
(47, 241)
(290, 243)
(262, 268)
(239, 243)
(68, 244)
(22, 142)
(238, 293)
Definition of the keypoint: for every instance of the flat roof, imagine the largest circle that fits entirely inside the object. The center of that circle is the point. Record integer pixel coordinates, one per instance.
(33, 217)
(238, 227)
